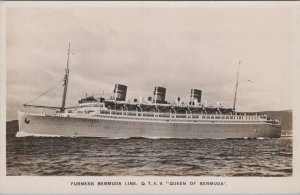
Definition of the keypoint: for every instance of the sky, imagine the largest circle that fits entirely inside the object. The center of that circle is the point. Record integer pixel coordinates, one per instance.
(179, 48)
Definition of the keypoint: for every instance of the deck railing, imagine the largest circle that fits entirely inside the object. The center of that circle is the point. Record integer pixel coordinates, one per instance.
(184, 116)
(164, 116)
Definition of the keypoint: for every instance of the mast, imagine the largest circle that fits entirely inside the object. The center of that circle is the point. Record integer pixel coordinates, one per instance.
(66, 79)
(236, 85)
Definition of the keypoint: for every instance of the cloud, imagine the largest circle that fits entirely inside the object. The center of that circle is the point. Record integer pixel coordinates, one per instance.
(178, 48)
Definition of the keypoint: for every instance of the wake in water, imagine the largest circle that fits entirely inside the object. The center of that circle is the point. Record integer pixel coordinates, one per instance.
(25, 134)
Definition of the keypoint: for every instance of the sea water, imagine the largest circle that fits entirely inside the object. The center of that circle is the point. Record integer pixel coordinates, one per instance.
(80, 156)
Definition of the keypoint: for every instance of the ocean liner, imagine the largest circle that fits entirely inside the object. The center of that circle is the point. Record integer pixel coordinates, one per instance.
(115, 117)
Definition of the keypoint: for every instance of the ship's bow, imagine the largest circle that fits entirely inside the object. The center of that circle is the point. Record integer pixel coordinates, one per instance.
(21, 122)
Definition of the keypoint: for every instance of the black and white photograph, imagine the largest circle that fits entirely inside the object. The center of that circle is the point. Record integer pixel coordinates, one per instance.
(167, 96)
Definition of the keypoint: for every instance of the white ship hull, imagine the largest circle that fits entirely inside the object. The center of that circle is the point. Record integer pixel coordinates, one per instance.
(114, 127)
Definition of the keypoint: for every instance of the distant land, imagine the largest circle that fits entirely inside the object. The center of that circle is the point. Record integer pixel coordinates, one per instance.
(284, 116)
(12, 128)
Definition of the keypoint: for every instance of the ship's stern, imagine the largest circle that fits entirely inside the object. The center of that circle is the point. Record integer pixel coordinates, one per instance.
(277, 128)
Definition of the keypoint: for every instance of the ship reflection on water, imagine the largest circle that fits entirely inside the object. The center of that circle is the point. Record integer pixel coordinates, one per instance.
(152, 157)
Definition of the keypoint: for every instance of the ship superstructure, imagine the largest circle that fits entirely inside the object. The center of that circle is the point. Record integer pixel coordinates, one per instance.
(154, 117)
